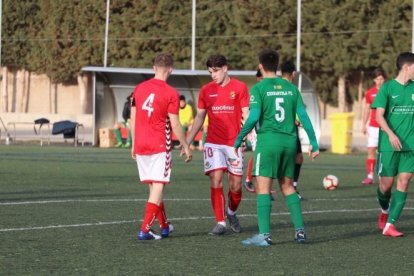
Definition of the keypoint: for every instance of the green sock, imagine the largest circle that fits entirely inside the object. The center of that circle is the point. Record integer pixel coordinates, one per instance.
(295, 209)
(397, 205)
(129, 140)
(383, 199)
(118, 135)
(264, 207)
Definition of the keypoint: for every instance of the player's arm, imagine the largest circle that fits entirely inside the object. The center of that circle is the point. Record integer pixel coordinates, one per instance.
(132, 128)
(245, 113)
(178, 131)
(251, 121)
(307, 126)
(197, 125)
(394, 140)
(365, 116)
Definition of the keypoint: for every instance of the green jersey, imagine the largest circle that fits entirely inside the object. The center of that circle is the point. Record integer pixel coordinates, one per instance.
(398, 102)
(278, 100)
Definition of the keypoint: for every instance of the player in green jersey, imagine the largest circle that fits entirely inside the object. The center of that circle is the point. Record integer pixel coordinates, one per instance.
(288, 70)
(395, 115)
(274, 103)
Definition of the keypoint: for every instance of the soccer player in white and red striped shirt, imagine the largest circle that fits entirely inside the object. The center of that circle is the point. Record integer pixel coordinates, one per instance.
(154, 113)
(226, 101)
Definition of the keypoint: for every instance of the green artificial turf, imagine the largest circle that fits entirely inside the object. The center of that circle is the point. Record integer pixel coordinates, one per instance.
(77, 211)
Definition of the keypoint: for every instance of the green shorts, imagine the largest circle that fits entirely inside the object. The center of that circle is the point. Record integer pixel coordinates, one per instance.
(274, 162)
(391, 163)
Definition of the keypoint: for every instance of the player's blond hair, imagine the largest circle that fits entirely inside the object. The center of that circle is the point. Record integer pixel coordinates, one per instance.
(163, 60)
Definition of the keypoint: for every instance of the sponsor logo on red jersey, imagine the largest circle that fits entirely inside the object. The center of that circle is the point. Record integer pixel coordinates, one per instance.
(223, 108)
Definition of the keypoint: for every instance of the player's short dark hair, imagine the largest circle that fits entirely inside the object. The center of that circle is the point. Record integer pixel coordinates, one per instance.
(288, 67)
(163, 60)
(216, 61)
(404, 58)
(182, 98)
(269, 59)
(379, 72)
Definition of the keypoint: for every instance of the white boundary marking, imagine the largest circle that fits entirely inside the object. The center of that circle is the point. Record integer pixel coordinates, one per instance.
(101, 223)
(165, 199)
(95, 200)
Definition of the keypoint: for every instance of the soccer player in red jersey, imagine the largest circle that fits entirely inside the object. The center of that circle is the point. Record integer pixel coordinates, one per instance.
(154, 113)
(226, 101)
(371, 129)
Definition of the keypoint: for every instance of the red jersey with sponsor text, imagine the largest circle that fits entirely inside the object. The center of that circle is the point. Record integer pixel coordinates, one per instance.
(154, 99)
(224, 109)
(369, 99)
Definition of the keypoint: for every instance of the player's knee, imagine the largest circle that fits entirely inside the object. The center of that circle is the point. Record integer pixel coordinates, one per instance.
(235, 187)
(286, 187)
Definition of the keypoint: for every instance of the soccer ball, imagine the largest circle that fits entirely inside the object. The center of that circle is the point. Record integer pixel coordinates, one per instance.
(330, 182)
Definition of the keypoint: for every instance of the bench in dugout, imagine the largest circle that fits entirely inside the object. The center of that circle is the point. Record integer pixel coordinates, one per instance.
(43, 134)
(70, 130)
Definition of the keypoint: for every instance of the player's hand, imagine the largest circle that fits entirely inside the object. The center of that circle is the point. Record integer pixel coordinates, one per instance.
(395, 142)
(314, 154)
(187, 152)
(364, 129)
(182, 150)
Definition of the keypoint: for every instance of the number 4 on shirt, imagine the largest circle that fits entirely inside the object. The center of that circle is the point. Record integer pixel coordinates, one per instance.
(147, 105)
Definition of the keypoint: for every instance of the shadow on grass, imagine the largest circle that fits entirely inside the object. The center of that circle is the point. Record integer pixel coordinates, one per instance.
(313, 227)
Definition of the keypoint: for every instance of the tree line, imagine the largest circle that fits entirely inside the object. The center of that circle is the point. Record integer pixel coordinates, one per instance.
(341, 42)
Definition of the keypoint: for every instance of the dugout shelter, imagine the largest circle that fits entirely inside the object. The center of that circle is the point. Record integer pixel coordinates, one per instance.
(112, 85)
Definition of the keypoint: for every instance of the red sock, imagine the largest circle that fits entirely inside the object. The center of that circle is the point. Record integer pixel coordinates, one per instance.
(162, 216)
(370, 165)
(249, 170)
(151, 211)
(234, 200)
(217, 202)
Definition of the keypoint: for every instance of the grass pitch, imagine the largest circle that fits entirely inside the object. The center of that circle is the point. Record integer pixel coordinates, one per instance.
(77, 211)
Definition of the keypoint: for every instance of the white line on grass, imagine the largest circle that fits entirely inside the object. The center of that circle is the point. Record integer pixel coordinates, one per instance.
(96, 200)
(101, 223)
(166, 199)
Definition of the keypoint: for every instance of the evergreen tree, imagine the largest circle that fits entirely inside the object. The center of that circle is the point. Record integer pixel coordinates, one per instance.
(139, 29)
(19, 24)
(72, 36)
(340, 38)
